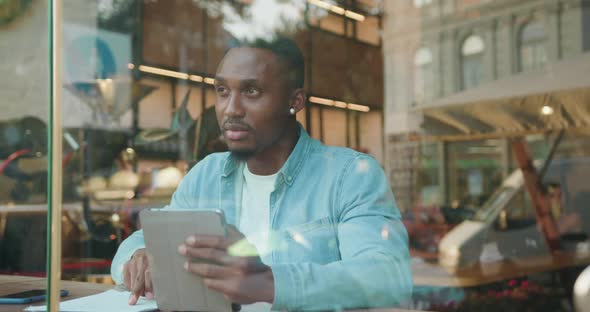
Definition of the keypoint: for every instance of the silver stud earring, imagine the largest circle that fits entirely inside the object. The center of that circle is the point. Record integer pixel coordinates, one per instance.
(292, 111)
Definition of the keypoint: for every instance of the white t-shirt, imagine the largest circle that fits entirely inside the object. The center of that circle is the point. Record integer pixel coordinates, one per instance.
(255, 213)
(254, 220)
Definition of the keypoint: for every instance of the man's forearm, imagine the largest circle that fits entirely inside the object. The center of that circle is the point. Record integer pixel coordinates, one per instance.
(369, 281)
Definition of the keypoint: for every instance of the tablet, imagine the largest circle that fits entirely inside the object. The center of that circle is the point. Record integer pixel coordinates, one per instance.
(176, 289)
(27, 296)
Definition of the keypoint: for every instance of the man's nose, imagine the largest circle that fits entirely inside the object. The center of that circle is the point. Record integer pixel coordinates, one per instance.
(234, 106)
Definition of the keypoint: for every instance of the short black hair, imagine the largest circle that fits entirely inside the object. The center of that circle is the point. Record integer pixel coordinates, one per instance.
(287, 52)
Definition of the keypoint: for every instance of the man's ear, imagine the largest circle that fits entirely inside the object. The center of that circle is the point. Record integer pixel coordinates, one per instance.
(298, 100)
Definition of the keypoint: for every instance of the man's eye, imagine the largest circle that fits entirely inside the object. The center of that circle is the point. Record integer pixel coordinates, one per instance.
(252, 92)
(221, 90)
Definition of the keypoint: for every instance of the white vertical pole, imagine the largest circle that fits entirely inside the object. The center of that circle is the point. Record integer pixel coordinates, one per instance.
(55, 155)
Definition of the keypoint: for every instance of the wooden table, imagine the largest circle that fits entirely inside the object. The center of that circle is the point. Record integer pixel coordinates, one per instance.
(432, 274)
(11, 284)
(135, 205)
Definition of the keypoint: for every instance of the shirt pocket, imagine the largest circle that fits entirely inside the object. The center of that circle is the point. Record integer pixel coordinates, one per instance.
(314, 241)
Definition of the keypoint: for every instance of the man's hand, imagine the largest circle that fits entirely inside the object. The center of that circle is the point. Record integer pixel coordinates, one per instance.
(138, 278)
(230, 269)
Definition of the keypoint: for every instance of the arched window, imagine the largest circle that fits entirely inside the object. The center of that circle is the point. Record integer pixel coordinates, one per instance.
(472, 52)
(423, 75)
(421, 3)
(532, 44)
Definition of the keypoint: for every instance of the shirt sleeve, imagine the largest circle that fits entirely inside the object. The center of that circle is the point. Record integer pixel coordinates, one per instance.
(181, 199)
(374, 270)
(124, 253)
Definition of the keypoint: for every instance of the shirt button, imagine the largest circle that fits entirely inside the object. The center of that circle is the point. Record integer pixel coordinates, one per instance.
(289, 178)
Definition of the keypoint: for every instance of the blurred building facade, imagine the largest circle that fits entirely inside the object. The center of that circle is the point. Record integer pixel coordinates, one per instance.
(437, 48)
(170, 47)
(345, 96)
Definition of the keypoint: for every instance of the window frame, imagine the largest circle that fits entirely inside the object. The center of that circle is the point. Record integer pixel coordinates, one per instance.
(471, 56)
(534, 43)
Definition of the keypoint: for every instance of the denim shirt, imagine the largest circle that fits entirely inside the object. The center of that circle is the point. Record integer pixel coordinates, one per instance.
(337, 238)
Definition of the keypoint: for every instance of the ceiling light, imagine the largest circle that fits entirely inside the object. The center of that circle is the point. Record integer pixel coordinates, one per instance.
(319, 100)
(338, 10)
(547, 110)
(355, 16)
(339, 104)
(360, 108)
(163, 72)
(321, 4)
(196, 78)
(171, 73)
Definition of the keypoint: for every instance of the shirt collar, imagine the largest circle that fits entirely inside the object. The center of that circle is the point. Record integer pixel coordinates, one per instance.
(292, 166)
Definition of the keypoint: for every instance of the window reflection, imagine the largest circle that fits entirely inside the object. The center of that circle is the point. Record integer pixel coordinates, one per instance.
(359, 20)
(533, 46)
(452, 162)
(472, 51)
(423, 75)
(420, 3)
(435, 91)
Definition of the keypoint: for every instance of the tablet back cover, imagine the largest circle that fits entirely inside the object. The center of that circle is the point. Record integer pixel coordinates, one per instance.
(176, 289)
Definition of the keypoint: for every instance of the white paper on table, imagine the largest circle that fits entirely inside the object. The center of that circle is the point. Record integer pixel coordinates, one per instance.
(256, 307)
(110, 300)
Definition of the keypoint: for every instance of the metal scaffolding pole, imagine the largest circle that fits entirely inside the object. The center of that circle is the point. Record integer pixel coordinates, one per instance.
(532, 181)
(54, 174)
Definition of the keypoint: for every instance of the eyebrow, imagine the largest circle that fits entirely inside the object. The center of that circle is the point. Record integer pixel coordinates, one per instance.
(245, 82)
(249, 82)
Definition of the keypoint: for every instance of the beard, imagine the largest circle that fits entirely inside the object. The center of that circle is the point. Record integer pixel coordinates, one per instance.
(242, 155)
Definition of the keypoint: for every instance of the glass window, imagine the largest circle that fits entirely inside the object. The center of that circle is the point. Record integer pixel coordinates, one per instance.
(333, 23)
(370, 139)
(359, 20)
(423, 76)
(474, 171)
(472, 51)
(429, 185)
(334, 126)
(421, 3)
(25, 148)
(393, 98)
(368, 30)
(315, 122)
(520, 208)
(532, 46)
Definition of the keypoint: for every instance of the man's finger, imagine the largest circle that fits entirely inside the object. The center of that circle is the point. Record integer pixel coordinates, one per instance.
(207, 241)
(132, 272)
(126, 275)
(209, 270)
(149, 291)
(212, 254)
(133, 299)
(138, 282)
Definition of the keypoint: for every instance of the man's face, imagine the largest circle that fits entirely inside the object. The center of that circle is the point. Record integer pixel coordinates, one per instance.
(252, 100)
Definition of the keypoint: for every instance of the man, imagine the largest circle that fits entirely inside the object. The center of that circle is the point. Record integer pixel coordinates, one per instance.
(323, 219)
